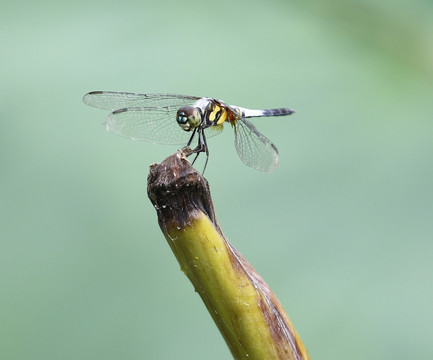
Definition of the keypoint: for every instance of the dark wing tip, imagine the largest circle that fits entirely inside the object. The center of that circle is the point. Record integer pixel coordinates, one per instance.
(119, 111)
(86, 97)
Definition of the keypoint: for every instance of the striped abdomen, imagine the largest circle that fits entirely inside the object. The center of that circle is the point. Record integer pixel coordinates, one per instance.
(247, 113)
(215, 112)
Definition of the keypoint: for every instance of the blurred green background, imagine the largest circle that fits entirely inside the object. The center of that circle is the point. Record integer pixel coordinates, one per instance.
(342, 230)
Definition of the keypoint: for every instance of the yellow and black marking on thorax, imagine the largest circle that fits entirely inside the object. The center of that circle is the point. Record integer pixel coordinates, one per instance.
(215, 113)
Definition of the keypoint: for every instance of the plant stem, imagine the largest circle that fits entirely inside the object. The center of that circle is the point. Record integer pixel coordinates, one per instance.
(246, 311)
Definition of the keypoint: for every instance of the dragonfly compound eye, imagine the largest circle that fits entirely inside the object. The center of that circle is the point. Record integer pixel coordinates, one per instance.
(188, 118)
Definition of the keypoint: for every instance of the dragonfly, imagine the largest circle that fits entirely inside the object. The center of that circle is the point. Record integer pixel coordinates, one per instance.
(179, 119)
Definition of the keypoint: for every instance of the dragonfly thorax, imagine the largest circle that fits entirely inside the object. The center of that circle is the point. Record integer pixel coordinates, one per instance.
(188, 118)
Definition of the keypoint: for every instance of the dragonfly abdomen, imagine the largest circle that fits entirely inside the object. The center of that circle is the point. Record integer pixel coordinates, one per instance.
(278, 112)
(266, 112)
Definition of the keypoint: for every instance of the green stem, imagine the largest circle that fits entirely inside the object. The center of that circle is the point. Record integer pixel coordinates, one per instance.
(246, 311)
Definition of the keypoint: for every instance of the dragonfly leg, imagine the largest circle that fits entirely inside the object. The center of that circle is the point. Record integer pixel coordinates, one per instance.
(206, 149)
(196, 156)
(199, 147)
(192, 137)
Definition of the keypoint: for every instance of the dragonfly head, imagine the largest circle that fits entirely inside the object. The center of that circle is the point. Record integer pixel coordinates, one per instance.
(188, 118)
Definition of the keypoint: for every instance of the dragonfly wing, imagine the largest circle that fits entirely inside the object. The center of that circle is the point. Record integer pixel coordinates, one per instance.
(111, 100)
(213, 130)
(152, 124)
(253, 148)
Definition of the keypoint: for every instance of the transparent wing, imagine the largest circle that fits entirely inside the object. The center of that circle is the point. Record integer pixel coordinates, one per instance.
(152, 124)
(253, 148)
(111, 100)
(213, 130)
(146, 117)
